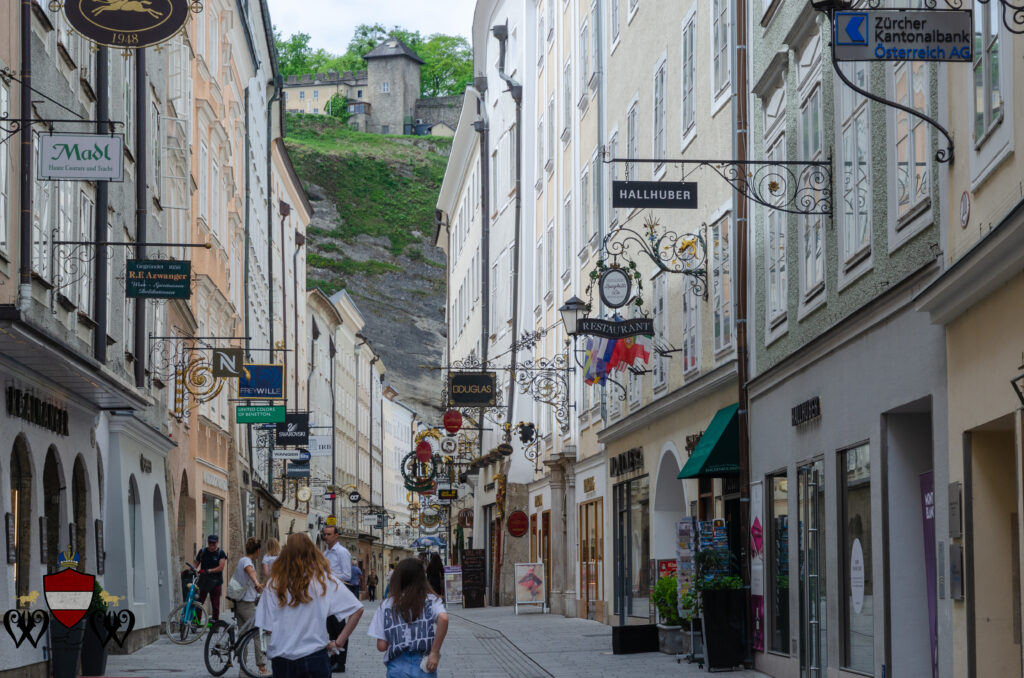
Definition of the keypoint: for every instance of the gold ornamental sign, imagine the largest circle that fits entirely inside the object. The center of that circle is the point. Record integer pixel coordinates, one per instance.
(129, 24)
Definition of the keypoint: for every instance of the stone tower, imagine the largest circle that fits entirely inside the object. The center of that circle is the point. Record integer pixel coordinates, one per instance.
(393, 76)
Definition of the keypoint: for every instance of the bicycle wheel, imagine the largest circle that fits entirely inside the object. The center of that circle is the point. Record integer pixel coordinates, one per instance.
(247, 653)
(182, 631)
(219, 644)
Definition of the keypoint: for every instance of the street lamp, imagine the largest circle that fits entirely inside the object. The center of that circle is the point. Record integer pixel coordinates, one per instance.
(571, 312)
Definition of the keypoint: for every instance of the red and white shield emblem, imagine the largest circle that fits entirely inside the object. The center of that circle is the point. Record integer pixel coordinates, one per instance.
(68, 594)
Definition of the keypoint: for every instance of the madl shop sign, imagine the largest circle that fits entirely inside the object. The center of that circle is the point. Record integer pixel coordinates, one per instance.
(158, 279)
(472, 389)
(81, 157)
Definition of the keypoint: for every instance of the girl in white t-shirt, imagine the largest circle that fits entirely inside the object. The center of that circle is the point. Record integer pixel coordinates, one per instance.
(410, 624)
(245, 607)
(273, 550)
(300, 595)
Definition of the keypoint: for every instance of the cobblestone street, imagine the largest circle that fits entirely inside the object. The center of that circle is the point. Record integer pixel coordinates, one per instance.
(483, 643)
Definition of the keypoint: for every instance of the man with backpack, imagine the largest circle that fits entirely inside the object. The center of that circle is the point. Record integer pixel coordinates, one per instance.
(211, 562)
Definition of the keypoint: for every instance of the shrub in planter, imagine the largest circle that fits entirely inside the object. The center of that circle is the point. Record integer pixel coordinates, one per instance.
(670, 639)
(719, 599)
(94, 653)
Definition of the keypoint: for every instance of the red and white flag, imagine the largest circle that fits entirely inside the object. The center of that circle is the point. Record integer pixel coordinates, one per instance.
(68, 594)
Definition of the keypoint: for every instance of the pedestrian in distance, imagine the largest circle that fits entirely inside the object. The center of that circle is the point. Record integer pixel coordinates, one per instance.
(371, 585)
(273, 550)
(211, 562)
(353, 581)
(245, 607)
(410, 624)
(301, 593)
(387, 584)
(435, 575)
(341, 567)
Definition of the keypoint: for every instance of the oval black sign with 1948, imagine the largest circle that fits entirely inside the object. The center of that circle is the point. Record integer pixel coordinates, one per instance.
(127, 23)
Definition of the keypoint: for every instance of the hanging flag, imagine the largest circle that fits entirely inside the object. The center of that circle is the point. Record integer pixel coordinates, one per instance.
(593, 372)
(643, 346)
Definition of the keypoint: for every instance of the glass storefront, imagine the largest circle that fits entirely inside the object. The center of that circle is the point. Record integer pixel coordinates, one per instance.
(858, 585)
(212, 511)
(778, 564)
(633, 547)
(591, 556)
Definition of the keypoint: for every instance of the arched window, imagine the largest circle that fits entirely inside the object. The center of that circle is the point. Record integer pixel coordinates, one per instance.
(80, 512)
(21, 504)
(133, 529)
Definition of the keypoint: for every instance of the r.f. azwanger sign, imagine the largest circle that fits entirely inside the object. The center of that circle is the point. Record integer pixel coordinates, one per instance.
(127, 23)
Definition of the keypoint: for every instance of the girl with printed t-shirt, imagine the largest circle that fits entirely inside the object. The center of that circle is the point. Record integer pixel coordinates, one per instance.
(301, 593)
(410, 624)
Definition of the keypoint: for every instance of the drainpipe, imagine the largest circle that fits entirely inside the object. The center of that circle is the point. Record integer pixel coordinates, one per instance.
(141, 210)
(278, 84)
(248, 220)
(99, 348)
(482, 128)
(25, 242)
(300, 240)
(332, 351)
(285, 210)
(601, 122)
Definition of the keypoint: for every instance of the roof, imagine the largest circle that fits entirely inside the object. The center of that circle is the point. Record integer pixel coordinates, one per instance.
(392, 47)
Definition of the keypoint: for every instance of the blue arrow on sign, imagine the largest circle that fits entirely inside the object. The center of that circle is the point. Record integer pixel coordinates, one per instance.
(852, 25)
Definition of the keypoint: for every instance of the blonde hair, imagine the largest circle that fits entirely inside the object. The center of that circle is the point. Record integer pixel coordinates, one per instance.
(273, 547)
(292, 573)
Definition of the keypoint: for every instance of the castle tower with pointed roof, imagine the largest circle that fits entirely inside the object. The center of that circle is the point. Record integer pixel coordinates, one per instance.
(393, 76)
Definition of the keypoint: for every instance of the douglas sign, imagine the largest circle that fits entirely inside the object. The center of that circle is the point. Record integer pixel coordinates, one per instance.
(472, 389)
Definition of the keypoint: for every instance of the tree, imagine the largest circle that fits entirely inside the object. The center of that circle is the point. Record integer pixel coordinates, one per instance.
(296, 57)
(448, 66)
(337, 107)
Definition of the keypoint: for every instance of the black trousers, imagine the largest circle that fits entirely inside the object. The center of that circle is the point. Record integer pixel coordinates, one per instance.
(334, 628)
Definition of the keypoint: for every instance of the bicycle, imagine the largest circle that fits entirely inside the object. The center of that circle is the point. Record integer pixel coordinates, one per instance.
(221, 645)
(189, 620)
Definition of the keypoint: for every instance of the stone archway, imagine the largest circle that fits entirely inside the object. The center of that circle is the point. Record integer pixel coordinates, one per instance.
(669, 505)
(185, 519)
(53, 500)
(21, 504)
(133, 545)
(80, 512)
(160, 534)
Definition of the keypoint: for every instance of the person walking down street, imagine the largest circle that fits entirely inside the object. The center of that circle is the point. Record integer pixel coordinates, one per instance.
(301, 593)
(273, 550)
(211, 562)
(387, 584)
(245, 607)
(353, 582)
(341, 567)
(435, 575)
(371, 585)
(410, 625)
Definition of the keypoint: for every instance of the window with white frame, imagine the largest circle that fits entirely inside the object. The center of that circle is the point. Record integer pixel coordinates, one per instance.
(549, 264)
(660, 140)
(540, 38)
(549, 159)
(567, 231)
(812, 245)
(385, 87)
(540, 277)
(215, 193)
(595, 40)
(42, 214)
(720, 44)
(691, 328)
(595, 180)
(302, 94)
(854, 163)
(5, 173)
(721, 284)
(633, 4)
(494, 182)
(540, 148)
(584, 55)
(632, 141)
(910, 80)
(660, 362)
(512, 155)
(204, 188)
(613, 17)
(567, 97)
(775, 252)
(551, 20)
(316, 94)
(988, 100)
(613, 174)
(584, 207)
(687, 103)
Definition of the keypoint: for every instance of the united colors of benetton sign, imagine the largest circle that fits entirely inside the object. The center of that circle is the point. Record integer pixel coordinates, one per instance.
(81, 157)
(127, 23)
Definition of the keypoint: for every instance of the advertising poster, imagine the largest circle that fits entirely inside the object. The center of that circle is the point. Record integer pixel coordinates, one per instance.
(667, 568)
(757, 564)
(453, 585)
(529, 583)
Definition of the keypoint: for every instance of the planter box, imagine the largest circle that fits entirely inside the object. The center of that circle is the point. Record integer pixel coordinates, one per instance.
(724, 644)
(670, 639)
(65, 645)
(94, 654)
(634, 639)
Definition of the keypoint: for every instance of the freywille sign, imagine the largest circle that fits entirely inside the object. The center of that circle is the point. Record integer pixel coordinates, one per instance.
(81, 157)
(36, 411)
(261, 382)
(679, 195)
(158, 279)
(616, 329)
(127, 23)
(472, 389)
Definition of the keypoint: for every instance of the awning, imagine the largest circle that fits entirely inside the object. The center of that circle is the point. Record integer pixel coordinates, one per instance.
(718, 452)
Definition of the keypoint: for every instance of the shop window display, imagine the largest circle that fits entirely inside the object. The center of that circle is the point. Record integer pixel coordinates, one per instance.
(858, 635)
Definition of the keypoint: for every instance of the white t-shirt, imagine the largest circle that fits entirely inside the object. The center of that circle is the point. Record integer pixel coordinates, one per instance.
(268, 561)
(242, 577)
(299, 631)
(340, 560)
(402, 637)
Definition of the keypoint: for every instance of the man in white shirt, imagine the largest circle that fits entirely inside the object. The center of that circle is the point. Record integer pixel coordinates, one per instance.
(341, 566)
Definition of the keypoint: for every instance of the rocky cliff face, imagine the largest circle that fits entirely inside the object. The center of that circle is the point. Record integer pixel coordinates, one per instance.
(372, 234)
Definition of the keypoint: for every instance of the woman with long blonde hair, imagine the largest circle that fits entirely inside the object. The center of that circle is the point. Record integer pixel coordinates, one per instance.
(300, 594)
(272, 552)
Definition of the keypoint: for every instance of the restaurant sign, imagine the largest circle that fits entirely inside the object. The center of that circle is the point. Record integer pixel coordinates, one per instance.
(127, 23)
(81, 157)
(158, 279)
(615, 329)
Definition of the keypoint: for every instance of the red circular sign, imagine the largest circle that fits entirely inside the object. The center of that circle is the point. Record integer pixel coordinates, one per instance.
(424, 451)
(518, 523)
(452, 421)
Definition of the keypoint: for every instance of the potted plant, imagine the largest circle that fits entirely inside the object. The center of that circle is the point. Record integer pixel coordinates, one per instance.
(666, 601)
(722, 609)
(689, 608)
(94, 652)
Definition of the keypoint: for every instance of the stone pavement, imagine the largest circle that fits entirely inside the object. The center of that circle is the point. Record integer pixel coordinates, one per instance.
(482, 643)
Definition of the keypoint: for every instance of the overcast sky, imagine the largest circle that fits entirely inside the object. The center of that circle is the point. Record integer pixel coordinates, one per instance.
(331, 23)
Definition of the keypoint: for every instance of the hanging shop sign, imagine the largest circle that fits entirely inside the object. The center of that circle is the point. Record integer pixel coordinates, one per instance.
(678, 195)
(81, 157)
(472, 389)
(615, 329)
(452, 421)
(447, 494)
(294, 430)
(629, 461)
(518, 523)
(158, 279)
(289, 455)
(354, 497)
(897, 35)
(228, 363)
(616, 287)
(806, 411)
(259, 414)
(261, 382)
(320, 446)
(23, 405)
(127, 24)
(297, 469)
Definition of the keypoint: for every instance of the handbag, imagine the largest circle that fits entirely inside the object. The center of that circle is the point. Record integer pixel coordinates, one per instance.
(235, 590)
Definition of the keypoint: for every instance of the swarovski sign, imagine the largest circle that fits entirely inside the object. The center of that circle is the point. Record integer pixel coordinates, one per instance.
(81, 157)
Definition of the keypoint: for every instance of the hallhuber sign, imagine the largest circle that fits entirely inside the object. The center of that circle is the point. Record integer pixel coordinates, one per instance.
(81, 157)
(615, 329)
(679, 195)
(472, 389)
(127, 23)
(158, 279)
(898, 35)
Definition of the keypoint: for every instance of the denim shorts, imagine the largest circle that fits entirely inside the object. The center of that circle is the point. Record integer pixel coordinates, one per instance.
(316, 665)
(407, 665)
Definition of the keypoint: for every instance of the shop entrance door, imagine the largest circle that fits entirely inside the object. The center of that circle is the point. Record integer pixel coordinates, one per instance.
(545, 554)
(811, 511)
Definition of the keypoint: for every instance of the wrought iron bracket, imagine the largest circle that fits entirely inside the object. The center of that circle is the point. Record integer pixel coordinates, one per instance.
(546, 380)
(1013, 14)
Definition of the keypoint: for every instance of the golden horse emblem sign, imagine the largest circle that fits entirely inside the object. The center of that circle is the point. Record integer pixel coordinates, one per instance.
(129, 23)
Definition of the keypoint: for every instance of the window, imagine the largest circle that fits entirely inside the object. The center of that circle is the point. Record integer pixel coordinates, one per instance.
(551, 19)
(613, 149)
(5, 172)
(214, 192)
(812, 261)
(42, 214)
(540, 277)
(204, 189)
(720, 44)
(540, 149)
(858, 584)
(776, 250)
(385, 87)
(691, 328)
(567, 97)
(688, 106)
(632, 142)
(549, 264)
(988, 101)
(855, 152)
(721, 284)
(596, 203)
(551, 134)
(494, 182)
(316, 94)
(302, 94)
(584, 208)
(214, 37)
(567, 233)
(912, 185)
(660, 367)
(615, 20)
(596, 35)
(540, 38)
(778, 563)
(584, 59)
(660, 141)
(512, 156)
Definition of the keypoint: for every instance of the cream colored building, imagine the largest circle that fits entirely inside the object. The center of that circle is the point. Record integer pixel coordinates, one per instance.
(311, 93)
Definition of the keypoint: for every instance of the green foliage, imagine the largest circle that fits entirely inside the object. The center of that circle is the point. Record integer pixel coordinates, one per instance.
(449, 65)
(296, 57)
(349, 266)
(97, 604)
(690, 605)
(666, 601)
(337, 107)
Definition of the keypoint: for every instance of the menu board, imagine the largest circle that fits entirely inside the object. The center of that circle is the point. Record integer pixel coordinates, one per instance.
(452, 585)
(474, 582)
